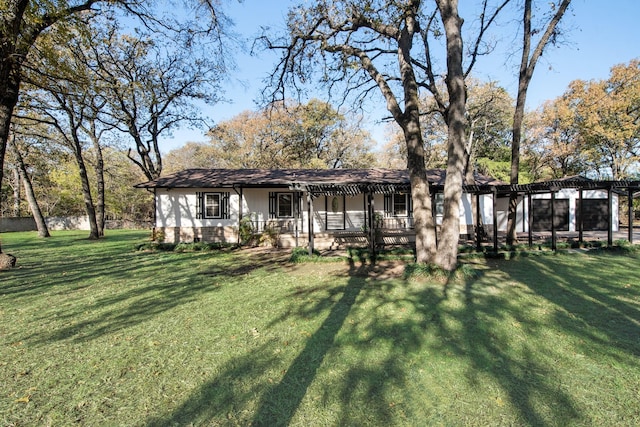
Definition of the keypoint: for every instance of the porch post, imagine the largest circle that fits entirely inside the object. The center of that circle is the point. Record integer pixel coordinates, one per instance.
(372, 224)
(530, 218)
(477, 223)
(630, 190)
(310, 220)
(553, 219)
(296, 203)
(610, 216)
(434, 213)
(495, 219)
(240, 212)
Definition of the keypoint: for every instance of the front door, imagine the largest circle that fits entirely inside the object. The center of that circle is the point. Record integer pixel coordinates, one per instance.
(335, 212)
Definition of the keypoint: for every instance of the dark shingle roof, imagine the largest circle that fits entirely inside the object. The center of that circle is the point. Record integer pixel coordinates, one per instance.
(216, 178)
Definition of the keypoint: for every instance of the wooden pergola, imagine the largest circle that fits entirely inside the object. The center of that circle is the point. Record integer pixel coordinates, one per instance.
(630, 188)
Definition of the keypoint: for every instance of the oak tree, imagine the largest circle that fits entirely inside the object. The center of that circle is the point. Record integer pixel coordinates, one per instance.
(545, 32)
(607, 116)
(360, 48)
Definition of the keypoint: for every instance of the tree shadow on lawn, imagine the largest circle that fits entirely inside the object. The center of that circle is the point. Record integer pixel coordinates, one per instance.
(367, 388)
(596, 302)
(511, 360)
(162, 288)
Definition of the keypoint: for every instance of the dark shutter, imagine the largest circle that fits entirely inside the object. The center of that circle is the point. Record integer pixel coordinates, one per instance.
(225, 205)
(273, 204)
(199, 205)
(388, 205)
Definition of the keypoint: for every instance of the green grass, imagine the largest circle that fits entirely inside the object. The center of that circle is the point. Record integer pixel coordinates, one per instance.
(98, 333)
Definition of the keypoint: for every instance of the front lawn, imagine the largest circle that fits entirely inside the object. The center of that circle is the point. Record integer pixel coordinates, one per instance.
(97, 333)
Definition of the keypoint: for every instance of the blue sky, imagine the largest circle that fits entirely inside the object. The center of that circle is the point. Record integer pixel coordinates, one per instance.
(600, 34)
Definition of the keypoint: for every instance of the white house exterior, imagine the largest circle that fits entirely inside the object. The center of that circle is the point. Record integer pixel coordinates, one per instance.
(330, 208)
(567, 207)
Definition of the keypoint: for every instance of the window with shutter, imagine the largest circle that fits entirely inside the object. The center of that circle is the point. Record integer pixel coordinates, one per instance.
(400, 205)
(213, 205)
(285, 205)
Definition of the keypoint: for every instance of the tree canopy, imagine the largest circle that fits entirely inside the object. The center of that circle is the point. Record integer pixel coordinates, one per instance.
(311, 135)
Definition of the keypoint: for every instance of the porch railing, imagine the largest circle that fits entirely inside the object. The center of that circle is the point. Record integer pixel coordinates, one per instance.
(288, 225)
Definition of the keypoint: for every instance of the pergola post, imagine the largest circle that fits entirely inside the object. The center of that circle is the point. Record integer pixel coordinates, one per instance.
(553, 219)
(372, 224)
(630, 215)
(310, 220)
(477, 223)
(581, 215)
(530, 219)
(495, 219)
(610, 215)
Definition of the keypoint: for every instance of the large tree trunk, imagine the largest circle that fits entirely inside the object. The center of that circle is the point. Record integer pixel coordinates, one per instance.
(41, 224)
(9, 87)
(447, 255)
(409, 121)
(424, 224)
(99, 170)
(17, 194)
(86, 190)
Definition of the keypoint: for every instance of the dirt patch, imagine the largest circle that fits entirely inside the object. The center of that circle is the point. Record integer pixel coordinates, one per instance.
(269, 256)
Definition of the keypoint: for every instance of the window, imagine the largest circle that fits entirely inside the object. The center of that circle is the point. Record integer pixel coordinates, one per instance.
(400, 205)
(285, 205)
(212, 205)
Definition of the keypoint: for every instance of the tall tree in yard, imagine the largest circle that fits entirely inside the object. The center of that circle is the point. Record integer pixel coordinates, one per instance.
(150, 88)
(528, 60)
(358, 47)
(34, 206)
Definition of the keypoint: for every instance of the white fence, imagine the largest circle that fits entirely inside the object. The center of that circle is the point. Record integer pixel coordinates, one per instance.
(10, 224)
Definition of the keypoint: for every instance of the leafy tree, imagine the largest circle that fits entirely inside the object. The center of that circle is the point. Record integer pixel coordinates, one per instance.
(150, 88)
(542, 34)
(553, 149)
(311, 135)
(356, 48)
(607, 117)
(191, 155)
(63, 95)
(22, 22)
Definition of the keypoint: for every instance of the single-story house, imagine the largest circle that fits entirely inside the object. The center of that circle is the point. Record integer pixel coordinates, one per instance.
(333, 207)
